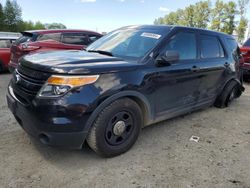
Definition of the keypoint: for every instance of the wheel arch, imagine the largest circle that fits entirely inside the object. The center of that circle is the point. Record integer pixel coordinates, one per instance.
(139, 98)
(241, 88)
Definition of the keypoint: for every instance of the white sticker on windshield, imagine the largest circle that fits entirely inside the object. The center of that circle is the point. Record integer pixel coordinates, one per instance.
(151, 35)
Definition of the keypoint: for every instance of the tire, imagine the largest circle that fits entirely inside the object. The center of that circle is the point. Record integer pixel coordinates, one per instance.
(1, 66)
(229, 93)
(109, 136)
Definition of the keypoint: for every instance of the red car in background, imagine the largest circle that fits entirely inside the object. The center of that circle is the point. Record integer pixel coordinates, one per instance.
(5, 44)
(47, 40)
(245, 66)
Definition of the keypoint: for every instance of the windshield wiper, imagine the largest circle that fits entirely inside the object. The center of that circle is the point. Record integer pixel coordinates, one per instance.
(101, 52)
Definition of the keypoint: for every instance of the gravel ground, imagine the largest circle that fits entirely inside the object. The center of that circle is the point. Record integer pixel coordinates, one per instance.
(163, 156)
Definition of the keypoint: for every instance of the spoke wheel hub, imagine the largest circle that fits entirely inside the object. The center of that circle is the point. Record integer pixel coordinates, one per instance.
(119, 128)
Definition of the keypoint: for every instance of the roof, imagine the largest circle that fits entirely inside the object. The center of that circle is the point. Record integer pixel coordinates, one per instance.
(45, 31)
(162, 27)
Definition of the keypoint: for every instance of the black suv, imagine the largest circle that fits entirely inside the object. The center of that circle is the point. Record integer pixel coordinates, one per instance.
(130, 78)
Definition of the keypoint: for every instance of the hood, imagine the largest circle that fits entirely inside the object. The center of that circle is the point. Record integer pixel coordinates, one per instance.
(75, 62)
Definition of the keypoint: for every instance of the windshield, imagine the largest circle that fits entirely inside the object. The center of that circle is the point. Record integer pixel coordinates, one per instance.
(128, 43)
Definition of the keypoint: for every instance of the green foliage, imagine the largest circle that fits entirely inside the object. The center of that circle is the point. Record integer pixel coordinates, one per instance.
(11, 19)
(220, 17)
(241, 29)
(193, 16)
(223, 16)
(1, 17)
(55, 26)
(202, 12)
(12, 15)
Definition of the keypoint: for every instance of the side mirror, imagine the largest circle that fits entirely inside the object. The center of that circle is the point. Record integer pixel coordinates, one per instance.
(168, 58)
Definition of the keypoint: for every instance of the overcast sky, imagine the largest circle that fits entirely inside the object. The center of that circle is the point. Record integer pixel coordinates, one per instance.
(99, 15)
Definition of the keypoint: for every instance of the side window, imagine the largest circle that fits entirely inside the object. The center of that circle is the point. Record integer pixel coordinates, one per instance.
(5, 43)
(211, 47)
(75, 38)
(233, 47)
(50, 36)
(185, 44)
(232, 44)
(93, 38)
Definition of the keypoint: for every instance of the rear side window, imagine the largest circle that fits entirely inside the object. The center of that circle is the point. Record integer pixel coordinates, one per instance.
(23, 39)
(247, 43)
(211, 47)
(93, 38)
(75, 38)
(50, 36)
(232, 44)
(5, 43)
(185, 44)
(233, 47)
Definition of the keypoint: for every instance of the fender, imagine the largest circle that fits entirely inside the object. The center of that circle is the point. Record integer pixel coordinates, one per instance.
(130, 94)
(236, 80)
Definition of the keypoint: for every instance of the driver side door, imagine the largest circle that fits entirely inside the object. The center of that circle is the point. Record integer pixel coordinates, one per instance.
(176, 86)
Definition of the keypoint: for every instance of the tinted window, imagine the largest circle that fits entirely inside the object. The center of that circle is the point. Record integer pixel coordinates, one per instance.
(50, 36)
(211, 47)
(247, 43)
(232, 44)
(5, 43)
(93, 38)
(185, 44)
(75, 38)
(23, 39)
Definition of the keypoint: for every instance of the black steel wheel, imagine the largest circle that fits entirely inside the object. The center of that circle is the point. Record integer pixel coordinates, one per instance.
(116, 128)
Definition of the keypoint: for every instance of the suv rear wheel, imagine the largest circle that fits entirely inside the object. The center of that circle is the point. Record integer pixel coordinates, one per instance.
(230, 92)
(116, 128)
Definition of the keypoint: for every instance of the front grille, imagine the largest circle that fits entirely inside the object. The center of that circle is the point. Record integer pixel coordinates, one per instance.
(27, 82)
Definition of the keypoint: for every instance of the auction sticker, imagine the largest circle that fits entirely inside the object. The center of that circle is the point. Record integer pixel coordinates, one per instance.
(151, 35)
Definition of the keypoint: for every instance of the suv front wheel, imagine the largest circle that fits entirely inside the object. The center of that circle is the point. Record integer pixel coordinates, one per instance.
(116, 128)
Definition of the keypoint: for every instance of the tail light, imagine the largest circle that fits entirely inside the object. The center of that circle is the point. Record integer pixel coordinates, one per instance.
(26, 47)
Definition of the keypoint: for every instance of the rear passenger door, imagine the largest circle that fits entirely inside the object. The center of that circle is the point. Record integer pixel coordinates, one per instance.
(212, 66)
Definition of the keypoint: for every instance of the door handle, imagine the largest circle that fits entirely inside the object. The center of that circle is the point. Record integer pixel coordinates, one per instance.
(195, 69)
(226, 64)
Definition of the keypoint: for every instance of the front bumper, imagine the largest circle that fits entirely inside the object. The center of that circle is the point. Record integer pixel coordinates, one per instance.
(38, 126)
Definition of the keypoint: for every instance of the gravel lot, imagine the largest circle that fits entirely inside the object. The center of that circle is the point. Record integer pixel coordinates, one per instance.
(163, 156)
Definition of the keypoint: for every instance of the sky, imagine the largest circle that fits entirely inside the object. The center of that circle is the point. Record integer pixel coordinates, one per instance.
(99, 15)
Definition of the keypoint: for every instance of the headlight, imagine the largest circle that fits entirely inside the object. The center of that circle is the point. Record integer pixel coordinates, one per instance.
(59, 85)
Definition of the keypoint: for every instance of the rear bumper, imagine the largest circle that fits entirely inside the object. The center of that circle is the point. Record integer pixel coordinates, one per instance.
(38, 128)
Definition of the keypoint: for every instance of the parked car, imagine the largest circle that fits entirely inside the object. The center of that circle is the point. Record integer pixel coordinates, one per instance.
(47, 40)
(245, 50)
(132, 77)
(5, 44)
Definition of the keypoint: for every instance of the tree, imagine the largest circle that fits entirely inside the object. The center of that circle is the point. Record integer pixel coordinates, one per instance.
(202, 12)
(55, 26)
(197, 15)
(217, 16)
(241, 29)
(229, 17)
(12, 16)
(1, 18)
